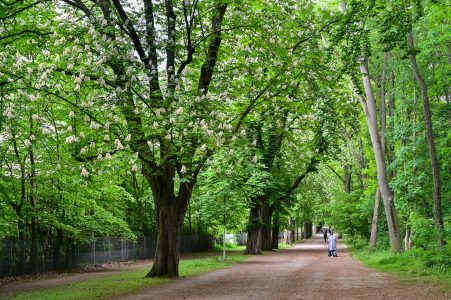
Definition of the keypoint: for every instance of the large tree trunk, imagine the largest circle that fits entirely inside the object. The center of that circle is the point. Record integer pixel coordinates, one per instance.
(373, 238)
(170, 210)
(369, 108)
(430, 137)
(253, 244)
(267, 211)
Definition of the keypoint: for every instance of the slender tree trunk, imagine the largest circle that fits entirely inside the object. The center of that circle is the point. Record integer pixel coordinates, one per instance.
(430, 136)
(33, 202)
(347, 177)
(382, 105)
(275, 231)
(369, 108)
(391, 111)
(373, 238)
(362, 165)
(253, 244)
(383, 122)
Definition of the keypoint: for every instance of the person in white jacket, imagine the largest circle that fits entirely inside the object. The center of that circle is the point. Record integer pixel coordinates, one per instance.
(332, 245)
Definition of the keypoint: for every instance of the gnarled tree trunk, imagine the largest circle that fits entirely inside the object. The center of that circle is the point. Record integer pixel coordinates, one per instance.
(170, 211)
(267, 211)
(253, 244)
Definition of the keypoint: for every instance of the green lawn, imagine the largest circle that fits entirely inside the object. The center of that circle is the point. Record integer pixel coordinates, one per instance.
(409, 266)
(127, 282)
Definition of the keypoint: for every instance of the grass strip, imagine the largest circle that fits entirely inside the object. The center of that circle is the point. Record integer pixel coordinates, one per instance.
(127, 282)
(408, 266)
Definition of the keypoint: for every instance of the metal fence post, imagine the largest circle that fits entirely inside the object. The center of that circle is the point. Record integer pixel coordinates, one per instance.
(109, 250)
(122, 250)
(94, 252)
(10, 258)
(144, 247)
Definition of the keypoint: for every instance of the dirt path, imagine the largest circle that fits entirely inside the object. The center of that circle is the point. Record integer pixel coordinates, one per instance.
(303, 272)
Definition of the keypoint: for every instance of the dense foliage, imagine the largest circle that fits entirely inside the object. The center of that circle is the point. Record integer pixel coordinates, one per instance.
(240, 113)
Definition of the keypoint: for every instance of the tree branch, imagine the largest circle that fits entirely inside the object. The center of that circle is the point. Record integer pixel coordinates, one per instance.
(131, 32)
(206, 71)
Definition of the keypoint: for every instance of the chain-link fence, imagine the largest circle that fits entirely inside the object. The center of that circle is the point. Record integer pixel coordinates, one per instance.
(18, 257)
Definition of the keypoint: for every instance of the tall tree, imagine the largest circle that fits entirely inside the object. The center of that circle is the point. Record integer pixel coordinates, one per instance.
(429, 134)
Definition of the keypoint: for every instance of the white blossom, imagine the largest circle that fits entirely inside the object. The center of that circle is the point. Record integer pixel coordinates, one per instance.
(27, 143)
(71, 139)
(118, 144)
(99, 157)
(71, 114)
(106, 138)
(82, 135)
(128, 138)
(183, 169)
(134, 168)
(254, 159)
(32, 97)
(179, 111)
(9, 112)
(94, 126)
(108, 156)
(44, 77)
(84, 172)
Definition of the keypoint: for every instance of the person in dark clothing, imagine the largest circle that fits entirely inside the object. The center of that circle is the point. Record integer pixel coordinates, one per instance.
(325, 236)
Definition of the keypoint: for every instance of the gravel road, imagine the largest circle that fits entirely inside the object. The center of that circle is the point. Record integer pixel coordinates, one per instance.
(302, 272)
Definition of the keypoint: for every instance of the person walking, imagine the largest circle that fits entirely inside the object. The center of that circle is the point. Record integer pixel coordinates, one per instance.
(332, 245)
(325, 236)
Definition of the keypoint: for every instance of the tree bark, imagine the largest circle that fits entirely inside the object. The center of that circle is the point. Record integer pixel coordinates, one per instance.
(362, 165)
(383, 121)
(267, 211)
(438, 218)
(253, 244)
(347, 177)
(373, 238)
(33, 202)
(275, 231)
(369, 108)
(170, 211)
